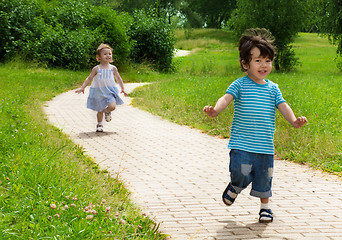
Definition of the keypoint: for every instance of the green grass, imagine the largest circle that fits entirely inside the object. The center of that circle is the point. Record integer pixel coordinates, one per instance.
(312, 90)
(40, 167)
(47, 184)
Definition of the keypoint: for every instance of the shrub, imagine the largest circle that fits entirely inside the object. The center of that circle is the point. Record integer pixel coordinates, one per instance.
(61, 32)
(154, 40)
(112, 28)
(58, 47)
(17, 25)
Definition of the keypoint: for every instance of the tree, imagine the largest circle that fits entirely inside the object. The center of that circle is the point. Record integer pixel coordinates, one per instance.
(283, 18)
(331, 24)
(162, 7)
(213, 12)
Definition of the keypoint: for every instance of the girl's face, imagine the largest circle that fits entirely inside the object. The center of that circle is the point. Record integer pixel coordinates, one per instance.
(106, 55)
(259, 67)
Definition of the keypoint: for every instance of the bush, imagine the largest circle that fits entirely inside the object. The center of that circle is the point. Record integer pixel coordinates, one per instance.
(154, 40)
(61, 32)
(112, 28)
(17, 25)
(58, 47)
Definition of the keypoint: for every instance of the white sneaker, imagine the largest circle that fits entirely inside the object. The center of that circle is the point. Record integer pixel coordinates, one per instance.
(99, 128)
(108, 116)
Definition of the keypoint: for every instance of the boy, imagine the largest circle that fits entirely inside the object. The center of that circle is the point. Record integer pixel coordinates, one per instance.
(255, 102)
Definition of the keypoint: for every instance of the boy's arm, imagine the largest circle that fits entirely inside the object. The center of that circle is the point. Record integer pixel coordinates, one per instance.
(288, 114)
(221, 104)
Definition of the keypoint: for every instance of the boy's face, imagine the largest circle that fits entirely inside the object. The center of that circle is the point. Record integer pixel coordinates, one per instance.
(259, 67)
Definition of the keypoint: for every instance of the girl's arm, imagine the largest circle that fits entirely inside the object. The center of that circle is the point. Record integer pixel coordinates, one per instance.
(119, 80)
(221, 104)
(87, 81)
(288, 114)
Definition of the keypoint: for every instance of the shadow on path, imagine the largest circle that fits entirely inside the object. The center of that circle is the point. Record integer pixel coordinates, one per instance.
(90, 135)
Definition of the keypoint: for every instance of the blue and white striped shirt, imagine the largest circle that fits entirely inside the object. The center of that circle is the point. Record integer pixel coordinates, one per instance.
(254, 115)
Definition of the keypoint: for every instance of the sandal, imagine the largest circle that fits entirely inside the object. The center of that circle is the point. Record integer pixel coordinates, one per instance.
(108, 116)
(229, 195)
(265, 216)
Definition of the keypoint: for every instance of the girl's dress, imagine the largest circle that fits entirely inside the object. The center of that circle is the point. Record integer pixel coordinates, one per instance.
(103, 90)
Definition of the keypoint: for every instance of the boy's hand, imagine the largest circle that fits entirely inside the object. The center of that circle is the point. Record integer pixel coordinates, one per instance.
(299, 122)
(210, 111)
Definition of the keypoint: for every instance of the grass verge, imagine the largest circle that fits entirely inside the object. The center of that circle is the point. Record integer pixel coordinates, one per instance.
(48, 188)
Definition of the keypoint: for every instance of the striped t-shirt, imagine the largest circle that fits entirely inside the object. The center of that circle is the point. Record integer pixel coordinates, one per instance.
(254, 115)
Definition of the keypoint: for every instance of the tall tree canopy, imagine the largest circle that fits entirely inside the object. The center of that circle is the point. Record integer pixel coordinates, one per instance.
(284, 18)
(331, 24)
(214, 12)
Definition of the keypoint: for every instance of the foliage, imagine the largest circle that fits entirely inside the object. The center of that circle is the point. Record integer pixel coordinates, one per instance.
(213, 12)
(154, 40)
(49, 189)
(111, 27)
(284, 18)
(331, 24)
(66, 33)
(313, 15)
(61, 32)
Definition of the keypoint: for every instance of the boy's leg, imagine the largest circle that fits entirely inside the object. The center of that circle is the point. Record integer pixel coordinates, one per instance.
(265, 214)
(262, 183)
(240, 169)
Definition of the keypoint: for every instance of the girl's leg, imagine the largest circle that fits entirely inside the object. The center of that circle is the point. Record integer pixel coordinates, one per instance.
(111, 107)
(99, 126)
(99, 116)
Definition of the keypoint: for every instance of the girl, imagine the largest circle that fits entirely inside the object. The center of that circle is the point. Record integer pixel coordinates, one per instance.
(103, 94)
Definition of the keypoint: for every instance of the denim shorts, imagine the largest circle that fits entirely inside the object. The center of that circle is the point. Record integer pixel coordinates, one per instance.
(255, 168)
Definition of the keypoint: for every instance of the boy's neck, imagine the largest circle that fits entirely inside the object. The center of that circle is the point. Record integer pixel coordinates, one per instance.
(258, 81)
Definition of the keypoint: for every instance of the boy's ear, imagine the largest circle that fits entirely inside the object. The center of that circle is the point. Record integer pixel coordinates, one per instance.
(244, 65)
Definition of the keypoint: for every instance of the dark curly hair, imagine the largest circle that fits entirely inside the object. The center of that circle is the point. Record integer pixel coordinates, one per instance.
(256, 37)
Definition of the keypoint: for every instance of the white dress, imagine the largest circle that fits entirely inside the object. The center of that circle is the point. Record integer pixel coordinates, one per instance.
(103, 90)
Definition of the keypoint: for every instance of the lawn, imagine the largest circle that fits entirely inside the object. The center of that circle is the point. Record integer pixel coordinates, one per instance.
(48, 188)
(312, 90)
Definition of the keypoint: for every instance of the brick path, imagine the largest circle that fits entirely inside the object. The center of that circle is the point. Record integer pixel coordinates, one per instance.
(177, 175)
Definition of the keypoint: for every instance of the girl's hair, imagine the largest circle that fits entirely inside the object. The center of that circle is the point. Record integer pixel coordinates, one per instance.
(256, 37)
(100, 48)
